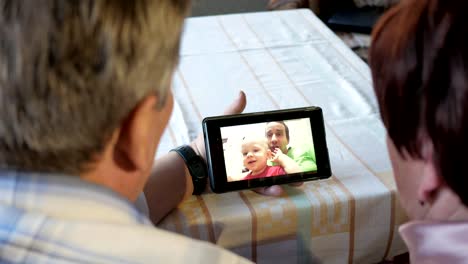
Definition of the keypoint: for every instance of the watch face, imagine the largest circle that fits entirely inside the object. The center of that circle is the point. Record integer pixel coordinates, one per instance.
(198, 169)
(199, 175)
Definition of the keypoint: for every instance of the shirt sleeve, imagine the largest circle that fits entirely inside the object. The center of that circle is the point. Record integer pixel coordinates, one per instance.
(305, 158)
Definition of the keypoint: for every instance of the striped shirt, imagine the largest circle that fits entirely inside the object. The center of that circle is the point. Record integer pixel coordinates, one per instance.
(62, 219)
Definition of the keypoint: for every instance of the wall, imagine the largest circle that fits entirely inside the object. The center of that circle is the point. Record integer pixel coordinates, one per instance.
(216, 7)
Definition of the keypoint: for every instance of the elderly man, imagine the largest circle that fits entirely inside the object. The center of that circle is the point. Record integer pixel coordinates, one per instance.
(277, 134)
(84, 100)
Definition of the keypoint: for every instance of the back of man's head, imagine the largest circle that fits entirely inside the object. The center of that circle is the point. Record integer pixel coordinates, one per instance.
(71, 71)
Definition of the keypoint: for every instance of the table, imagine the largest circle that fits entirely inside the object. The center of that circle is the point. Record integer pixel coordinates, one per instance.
(287, 59)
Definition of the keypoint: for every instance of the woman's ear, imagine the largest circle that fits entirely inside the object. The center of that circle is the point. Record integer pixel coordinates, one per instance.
(430, 184)
(431, 181)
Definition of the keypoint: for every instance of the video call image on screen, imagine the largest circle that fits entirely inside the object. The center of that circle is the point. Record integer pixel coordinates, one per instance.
(255, 150)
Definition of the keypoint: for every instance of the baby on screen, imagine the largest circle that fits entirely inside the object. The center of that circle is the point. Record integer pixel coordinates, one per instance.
(256, 154)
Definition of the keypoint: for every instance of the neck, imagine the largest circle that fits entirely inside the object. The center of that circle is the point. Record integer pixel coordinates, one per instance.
(107, 173)
(447, 206)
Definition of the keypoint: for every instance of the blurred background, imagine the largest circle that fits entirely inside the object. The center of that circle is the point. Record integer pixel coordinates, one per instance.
(351, 20)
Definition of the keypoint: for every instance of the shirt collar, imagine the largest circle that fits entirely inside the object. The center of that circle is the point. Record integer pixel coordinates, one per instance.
(436, 242)
(66, 197)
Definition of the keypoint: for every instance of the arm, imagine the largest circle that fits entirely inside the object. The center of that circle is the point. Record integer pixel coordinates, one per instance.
(168, 184)
(308, 165)
(170, 181)
(288, 164)
(305, 157)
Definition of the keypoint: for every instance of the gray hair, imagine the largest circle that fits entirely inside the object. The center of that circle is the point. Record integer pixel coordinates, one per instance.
(72, 71)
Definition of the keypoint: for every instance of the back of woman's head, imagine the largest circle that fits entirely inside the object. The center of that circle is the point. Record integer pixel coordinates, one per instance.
(419, 62)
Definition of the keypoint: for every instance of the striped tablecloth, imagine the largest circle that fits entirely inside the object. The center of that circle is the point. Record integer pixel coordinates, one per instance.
(281, 60)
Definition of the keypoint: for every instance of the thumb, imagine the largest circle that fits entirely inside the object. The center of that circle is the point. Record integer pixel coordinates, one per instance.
(237, 106)
(274, 190)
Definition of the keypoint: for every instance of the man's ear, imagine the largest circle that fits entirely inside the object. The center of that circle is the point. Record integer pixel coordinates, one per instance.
(136, 142)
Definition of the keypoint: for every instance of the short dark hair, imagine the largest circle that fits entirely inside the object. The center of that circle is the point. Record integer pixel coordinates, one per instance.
(286, 128)
(419, 63)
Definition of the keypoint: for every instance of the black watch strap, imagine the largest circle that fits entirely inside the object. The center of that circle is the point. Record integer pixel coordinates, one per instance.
(196, 167)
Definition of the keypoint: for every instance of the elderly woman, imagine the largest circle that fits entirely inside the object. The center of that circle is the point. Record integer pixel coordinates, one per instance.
(419, 62)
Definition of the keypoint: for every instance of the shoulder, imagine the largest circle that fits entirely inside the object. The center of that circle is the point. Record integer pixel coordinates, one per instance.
(157, 245)
(122, 243)
(277, 169)
(425, 237)
(300, 150)
(247, 176)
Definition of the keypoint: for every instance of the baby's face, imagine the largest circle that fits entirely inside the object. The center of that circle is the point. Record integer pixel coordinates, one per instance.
(255, 156)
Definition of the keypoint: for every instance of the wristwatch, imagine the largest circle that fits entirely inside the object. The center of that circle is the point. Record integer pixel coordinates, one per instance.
(196, 167)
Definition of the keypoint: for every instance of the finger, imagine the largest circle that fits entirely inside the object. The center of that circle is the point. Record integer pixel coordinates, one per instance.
(296, 184)
(274, 190)
(207, 187)
(198, 145)
(237, 106)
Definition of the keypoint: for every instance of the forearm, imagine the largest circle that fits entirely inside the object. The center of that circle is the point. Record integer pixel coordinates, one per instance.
(289, 165)
(169, 183)
(308, 166)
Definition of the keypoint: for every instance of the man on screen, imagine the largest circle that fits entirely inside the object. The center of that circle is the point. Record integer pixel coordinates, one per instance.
(277, 134)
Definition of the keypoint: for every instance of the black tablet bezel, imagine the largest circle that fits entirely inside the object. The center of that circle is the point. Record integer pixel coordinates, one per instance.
(215, 155)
